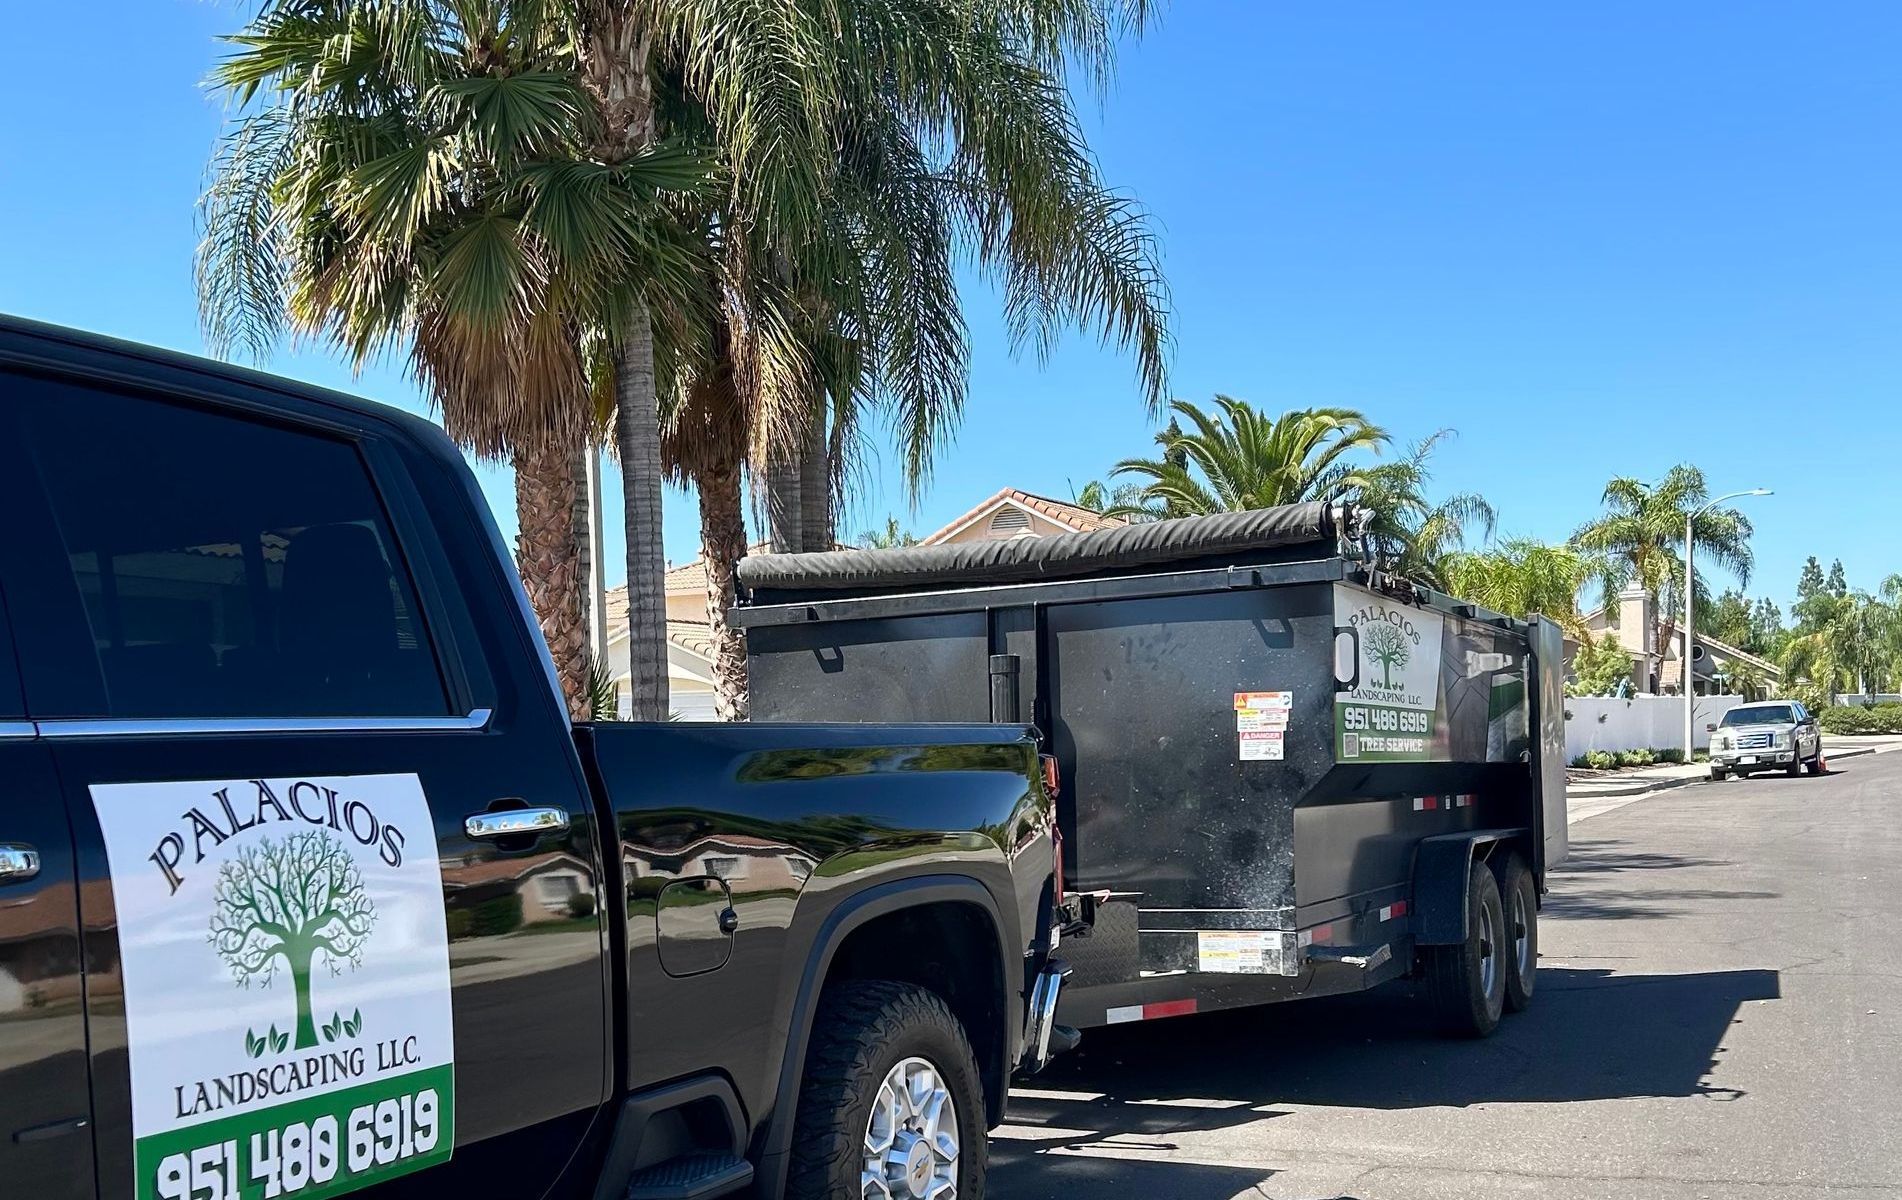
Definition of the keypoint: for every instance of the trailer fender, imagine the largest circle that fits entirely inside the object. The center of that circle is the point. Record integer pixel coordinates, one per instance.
(1441, 870)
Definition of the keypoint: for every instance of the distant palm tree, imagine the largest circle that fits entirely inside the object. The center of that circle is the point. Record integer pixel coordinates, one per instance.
(1848, 642)
(1123, 500)
(1237, 458)
(1414, 535)
(1639, 539)
(887, 538)
(1520, 577)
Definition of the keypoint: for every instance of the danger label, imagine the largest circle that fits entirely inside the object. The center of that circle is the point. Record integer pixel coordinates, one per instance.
(1262, 745)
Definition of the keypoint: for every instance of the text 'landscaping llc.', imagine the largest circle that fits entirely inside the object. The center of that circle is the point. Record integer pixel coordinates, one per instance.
(286, 983)
(1390, 709)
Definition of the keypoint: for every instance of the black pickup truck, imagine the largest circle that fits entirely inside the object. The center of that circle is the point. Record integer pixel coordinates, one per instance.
(308, 885)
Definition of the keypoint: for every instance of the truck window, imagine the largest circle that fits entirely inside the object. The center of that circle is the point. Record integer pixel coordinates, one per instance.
(228, 568)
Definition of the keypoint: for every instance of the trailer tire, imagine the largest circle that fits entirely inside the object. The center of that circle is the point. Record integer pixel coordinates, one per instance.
(864, 1033)
(1466, 982)
(1519, 898)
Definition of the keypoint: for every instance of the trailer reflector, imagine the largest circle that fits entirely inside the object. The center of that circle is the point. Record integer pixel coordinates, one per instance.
(1397, 909)
(1148, 1012)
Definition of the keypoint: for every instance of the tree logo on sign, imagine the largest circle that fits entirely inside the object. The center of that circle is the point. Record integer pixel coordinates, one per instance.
(291, 905)
(1387, 645)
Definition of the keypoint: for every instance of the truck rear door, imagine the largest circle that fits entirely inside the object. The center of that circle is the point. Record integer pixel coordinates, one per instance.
(256, 668)
(45, 1108)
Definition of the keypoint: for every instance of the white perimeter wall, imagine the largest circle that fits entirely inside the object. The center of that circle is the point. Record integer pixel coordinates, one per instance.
(1640, 723)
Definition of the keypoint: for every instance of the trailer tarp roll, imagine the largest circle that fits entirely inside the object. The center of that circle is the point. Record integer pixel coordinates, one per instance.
(1027, 559)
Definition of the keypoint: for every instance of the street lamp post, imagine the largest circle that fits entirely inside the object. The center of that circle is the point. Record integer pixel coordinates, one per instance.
(1690, 629)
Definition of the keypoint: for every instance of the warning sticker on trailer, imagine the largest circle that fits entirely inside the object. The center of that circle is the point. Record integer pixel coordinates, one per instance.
(286, 983)
(1262, 700)
(1232, 951)
(1267, 745)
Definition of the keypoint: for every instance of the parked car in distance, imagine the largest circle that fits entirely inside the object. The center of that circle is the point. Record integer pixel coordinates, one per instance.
(308, 884)
(1770, 736)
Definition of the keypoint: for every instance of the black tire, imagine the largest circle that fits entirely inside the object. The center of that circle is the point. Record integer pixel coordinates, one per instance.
(1796, 765)
(1815, 764)
(863, 1030)
(1463, 1005)
(1519, 899)
(1719, 774)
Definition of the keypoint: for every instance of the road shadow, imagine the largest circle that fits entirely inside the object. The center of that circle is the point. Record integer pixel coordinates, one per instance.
(1590, 1035)
(1023, 1175)
(1604, 878)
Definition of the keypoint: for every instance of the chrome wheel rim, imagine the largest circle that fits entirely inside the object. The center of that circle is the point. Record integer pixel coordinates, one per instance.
(1488, 948)
(911, 1138)
(1521, 937)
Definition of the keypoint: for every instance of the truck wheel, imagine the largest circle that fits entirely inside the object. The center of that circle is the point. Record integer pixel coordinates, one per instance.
(1718, 774)
(1466, 983)
(1519, 897)
(890, 1104)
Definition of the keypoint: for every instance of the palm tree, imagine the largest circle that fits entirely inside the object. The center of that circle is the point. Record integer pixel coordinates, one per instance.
(424, 176)
(956, 137)
(1848, 642)
(1122, 499)
(1637, 540)
(952, 137)
(888, 538)
(1238, 458)
(1520, 577)
(1413, 535)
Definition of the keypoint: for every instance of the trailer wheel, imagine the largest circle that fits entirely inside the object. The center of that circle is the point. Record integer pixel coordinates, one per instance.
(1519, 897)
(1466, 983)
(890, 1104)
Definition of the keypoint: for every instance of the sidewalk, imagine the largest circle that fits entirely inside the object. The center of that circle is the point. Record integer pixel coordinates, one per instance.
(1589, 793)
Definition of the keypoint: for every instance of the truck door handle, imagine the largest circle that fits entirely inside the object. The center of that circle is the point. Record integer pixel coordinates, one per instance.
(516, 821)
(18, 863)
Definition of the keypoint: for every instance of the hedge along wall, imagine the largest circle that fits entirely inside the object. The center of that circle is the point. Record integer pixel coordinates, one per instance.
(1639, 723)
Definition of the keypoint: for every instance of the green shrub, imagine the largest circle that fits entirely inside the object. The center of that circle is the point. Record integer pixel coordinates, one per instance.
(1888, 717)
(1583, 760)
(1635, 758)
(1670, 754)
(500, 915)
(1601, 760)
(581, 904)
(1851, 719)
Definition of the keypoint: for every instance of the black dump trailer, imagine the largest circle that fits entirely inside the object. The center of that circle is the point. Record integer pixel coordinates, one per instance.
(1283, 772)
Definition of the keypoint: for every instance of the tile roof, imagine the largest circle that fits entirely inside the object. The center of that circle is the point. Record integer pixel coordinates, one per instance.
(1071, 516)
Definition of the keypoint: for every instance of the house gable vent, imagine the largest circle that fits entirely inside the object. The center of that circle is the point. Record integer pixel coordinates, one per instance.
(1008, 522)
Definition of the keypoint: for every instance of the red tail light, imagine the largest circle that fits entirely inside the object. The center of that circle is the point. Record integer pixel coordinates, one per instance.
(1052, 780)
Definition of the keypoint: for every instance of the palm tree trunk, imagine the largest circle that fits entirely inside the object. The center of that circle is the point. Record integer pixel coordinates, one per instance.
(637, 438)
(815, 484)
(784, 508)
(722, 545)
(548, 556)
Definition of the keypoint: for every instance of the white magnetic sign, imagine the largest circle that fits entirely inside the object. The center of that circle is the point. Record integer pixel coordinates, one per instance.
(286, 974)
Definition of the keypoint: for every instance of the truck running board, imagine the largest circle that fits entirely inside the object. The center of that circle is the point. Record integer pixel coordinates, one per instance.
(701, 1175)
(1364, 957)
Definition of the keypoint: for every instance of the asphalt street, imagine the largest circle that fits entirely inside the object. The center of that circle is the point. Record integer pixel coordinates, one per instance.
(1718, 1014)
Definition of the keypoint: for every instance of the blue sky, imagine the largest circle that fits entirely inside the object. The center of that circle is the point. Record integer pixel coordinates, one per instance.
(1595, 239)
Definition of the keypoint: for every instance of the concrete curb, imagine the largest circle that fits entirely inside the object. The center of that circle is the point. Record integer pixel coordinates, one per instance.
(1641, 787)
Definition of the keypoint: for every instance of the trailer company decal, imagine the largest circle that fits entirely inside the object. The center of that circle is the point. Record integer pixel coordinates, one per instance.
(1391, 712)
(286, 983)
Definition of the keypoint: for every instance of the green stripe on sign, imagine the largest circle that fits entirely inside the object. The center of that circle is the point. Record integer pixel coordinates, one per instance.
(193, 1163)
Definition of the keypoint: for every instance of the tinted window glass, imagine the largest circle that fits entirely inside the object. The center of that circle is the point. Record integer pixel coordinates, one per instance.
(228, 568)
